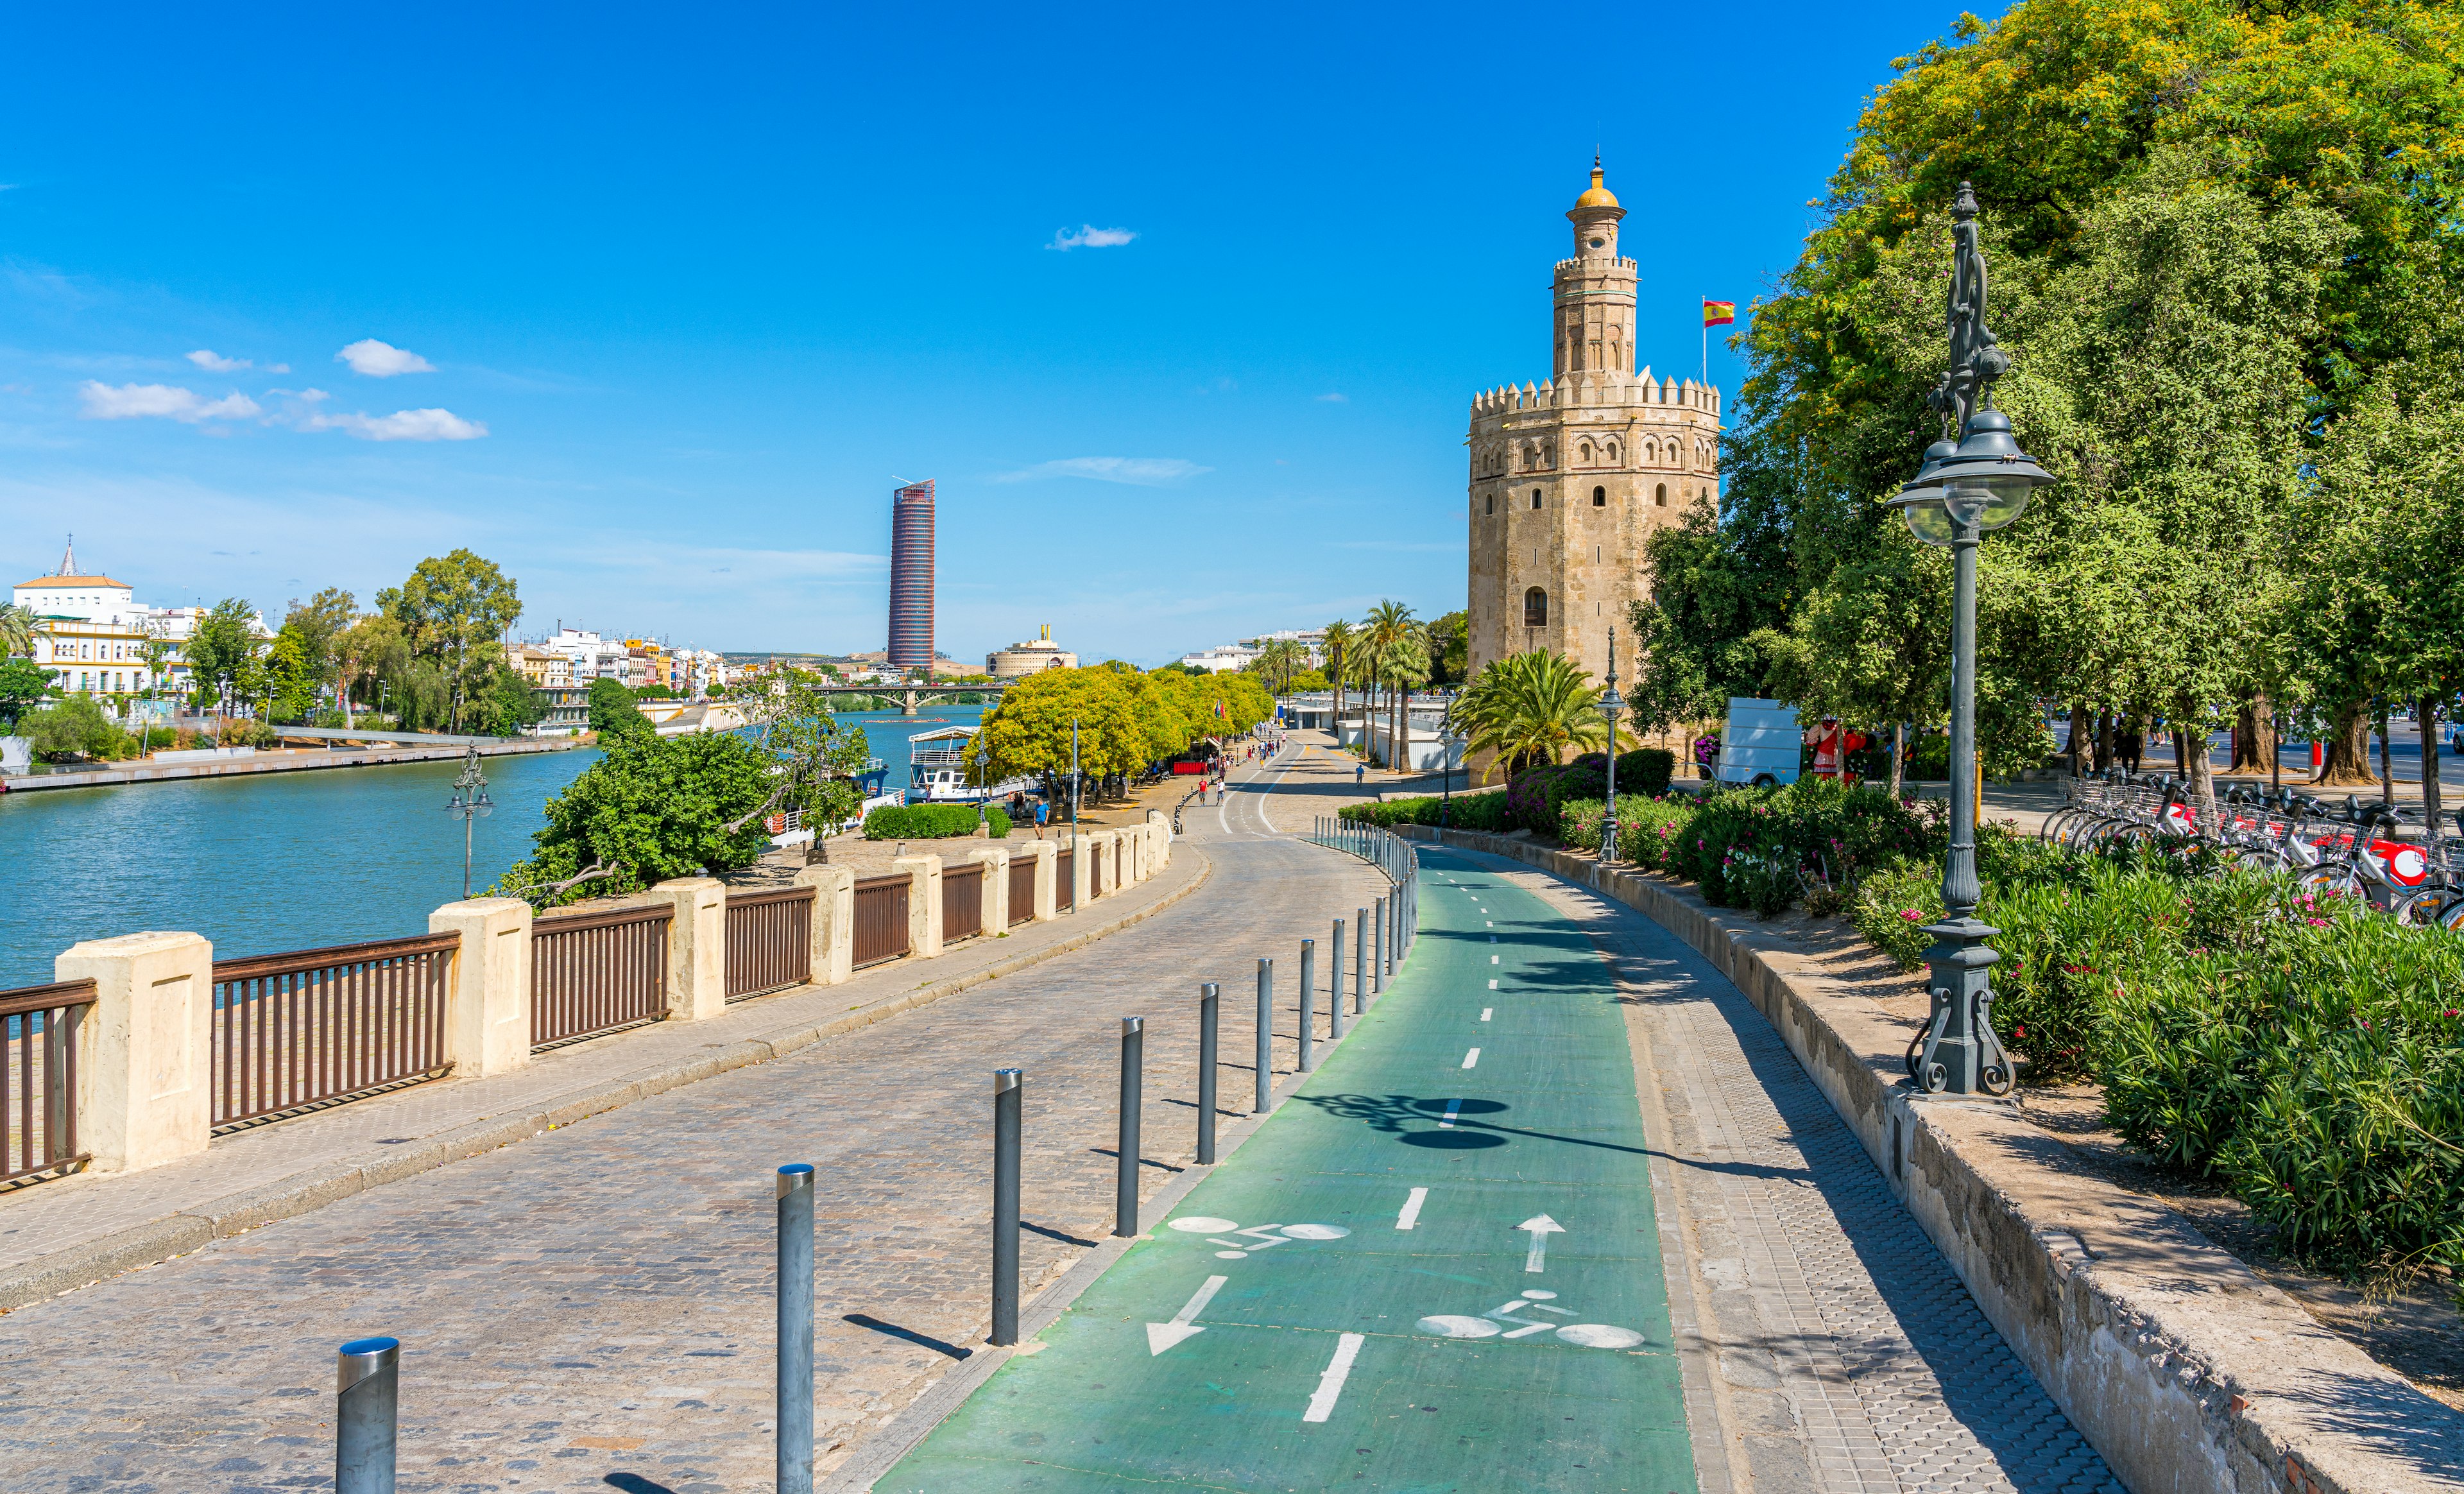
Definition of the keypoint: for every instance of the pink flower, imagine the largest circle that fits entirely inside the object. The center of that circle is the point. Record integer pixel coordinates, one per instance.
(2316, 923)
(1911, 916)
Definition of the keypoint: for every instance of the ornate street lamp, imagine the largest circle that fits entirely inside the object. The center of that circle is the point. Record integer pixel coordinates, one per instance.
(1961, 494)
(470, 802)
(1610, 705)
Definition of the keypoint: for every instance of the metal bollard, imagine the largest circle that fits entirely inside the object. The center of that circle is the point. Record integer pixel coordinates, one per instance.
(1308, 1000)
(1360, 961)
(1209, 1006)
(367, 1400)
(1378, 952)
(1008, 1086)
(796, 1328)
(1265, 1034)
(1125, 1189)
(1334, 983)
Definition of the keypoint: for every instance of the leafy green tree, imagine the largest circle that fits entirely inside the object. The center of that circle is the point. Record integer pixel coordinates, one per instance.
(224, 646)
(319, 625)
(613, 712)
(454, 608)
(817, 757)
(1308, 682)
(76, 725)
(23, 686)
(510, 703)
(652, 809)
(1028, 734)
(1449, 645)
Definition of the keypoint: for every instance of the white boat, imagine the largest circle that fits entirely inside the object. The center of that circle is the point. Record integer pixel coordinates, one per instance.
(937, 770)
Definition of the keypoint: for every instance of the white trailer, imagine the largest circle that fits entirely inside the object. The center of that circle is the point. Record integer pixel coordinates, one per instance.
(1762, 744)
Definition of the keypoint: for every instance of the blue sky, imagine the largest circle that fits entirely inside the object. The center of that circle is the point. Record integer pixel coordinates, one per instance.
(652, 306)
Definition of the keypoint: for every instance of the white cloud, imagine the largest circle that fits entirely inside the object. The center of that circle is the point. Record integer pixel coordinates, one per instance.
(1143, 472)
(1089, 236)
(382, 360)
(213, 362)
(1333, 399)
(138, 401)
(402, 424)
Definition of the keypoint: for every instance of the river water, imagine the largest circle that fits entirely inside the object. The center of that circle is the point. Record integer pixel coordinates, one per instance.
(285, 861)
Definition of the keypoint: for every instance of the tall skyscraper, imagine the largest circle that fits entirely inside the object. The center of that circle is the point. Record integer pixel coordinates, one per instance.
(910, 577)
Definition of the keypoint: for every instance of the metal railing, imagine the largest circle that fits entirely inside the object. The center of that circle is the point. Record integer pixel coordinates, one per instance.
(880, 919)
(594, 972)
(1065, 881)
(38, 1027)
(312, 1026)
(962, 901)
(769, 940)
(1022, 890)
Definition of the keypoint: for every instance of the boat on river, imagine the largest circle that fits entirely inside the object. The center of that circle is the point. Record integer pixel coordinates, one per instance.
(937, 770)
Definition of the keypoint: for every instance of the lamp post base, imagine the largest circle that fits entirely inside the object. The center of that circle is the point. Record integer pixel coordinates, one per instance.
(1958, 1052)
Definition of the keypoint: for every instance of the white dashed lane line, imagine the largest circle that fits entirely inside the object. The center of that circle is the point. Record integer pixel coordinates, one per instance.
(1471, 1059)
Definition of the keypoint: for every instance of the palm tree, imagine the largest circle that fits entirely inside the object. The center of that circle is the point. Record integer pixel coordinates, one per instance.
(1338, 661)
(1528, 708)
(1392, 644)
(16, 631)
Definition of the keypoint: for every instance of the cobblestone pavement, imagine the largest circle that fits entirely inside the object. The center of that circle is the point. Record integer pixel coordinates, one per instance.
(592, 1309)
(1836, 1351)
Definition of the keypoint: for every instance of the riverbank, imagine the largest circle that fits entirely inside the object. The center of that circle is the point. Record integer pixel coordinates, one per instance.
(289, 760)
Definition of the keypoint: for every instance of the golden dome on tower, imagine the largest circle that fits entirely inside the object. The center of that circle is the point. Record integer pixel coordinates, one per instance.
(1598, 196)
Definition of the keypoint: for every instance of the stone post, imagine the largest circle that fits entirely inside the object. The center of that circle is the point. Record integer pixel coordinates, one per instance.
(996, 862)
(1134, 854)
(1159, 829)
(1082, 869)
(1048, 896)
(833, 950)
(145, 1058)
(488, 1005)
(923, 904)
(696, 947)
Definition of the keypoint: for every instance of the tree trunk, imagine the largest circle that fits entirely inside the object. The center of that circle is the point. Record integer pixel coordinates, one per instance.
(2078, 736)
(2181, 754)
(2253, 735)
(2104, 740)
(2387, 756)
(2431, 801)
(1899, 757)
(2347, 762)
(2202, 775)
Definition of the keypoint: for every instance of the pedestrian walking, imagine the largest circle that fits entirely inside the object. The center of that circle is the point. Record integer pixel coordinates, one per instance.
(1043, 807)
(1359, 774)
(2133, 743)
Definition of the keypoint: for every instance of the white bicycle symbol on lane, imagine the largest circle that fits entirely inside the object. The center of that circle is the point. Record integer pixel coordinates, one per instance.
(1256, 1238)
(1492, 1324)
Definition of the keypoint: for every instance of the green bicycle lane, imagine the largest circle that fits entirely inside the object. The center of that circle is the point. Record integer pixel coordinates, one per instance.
(1433, 1267)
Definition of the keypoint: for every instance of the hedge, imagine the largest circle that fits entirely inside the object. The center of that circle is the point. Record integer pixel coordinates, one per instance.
(931, 821)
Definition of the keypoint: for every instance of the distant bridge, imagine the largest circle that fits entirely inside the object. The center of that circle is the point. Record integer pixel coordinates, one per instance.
(911, 696)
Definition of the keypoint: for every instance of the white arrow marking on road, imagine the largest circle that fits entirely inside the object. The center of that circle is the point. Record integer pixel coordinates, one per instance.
(1471, 1058)
(1162, 1336)
(1411, 1215)
(1338, 1369)
(1541, 1226)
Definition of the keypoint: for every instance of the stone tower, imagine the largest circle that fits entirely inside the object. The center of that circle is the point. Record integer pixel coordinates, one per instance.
(1570, 479)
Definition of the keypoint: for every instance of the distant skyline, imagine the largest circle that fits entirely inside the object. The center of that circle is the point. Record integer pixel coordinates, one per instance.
(1181, 312)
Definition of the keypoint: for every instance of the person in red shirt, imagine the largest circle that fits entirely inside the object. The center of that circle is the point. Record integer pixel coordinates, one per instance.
(1824, 739)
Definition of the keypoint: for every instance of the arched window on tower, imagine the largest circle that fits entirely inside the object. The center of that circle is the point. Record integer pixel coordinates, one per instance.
(1660, 496)
(1613, 454)
(1535, 498)
(1587, 454)
(1599, 497)
(1535, 609)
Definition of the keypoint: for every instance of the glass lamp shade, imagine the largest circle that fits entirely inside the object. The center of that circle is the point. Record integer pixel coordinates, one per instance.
(1988, 479)
(1926, 517)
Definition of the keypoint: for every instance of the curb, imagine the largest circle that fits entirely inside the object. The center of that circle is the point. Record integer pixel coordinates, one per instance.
(2184, 1369)
(173, 1235)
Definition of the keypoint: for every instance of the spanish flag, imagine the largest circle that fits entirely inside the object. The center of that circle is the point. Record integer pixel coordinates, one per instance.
(1719, 314)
